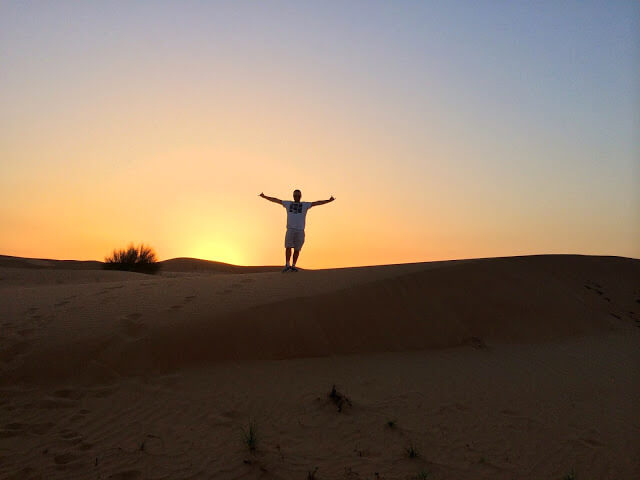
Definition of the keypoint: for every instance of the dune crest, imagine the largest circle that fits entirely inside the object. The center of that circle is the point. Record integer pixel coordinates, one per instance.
(319, 313)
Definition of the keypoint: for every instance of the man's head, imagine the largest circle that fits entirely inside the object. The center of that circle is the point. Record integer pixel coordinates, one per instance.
(297, 195)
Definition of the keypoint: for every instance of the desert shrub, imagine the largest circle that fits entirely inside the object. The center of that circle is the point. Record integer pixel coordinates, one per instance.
(412, 451)
(135, 259)
(339, 399)
(249, 437)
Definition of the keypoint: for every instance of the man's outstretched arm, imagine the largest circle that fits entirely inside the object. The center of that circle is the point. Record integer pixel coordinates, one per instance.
(322, 202)
(271, 199)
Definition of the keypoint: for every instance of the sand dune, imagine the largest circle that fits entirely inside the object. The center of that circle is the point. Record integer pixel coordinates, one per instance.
(181, 264)
(93, 364)
(186, 264)
(157, 324)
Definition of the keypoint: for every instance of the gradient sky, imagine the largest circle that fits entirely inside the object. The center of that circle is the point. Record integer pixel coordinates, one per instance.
(444, 129)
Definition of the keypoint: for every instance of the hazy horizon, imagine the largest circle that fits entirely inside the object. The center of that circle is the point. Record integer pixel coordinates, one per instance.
(444, 130)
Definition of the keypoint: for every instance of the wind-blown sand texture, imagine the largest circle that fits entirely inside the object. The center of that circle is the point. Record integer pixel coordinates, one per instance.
(502, 368)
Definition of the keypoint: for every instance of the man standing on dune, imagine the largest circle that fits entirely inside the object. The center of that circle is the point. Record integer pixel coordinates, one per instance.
(296, 216)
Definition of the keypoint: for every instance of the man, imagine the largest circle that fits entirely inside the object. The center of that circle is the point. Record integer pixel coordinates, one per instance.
(296, 215)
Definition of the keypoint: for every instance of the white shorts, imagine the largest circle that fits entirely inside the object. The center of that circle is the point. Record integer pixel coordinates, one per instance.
(294, 239)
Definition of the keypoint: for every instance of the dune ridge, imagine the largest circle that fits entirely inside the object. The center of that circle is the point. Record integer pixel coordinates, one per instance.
(412, 307)
(179, 264)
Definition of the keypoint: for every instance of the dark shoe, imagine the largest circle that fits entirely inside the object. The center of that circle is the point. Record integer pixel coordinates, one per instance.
(285, 269)
(294, 269)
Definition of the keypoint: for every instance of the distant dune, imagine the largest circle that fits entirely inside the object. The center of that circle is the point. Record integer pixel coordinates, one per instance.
(501, 368)
(186, 264)
(181, 264)
(7, 261)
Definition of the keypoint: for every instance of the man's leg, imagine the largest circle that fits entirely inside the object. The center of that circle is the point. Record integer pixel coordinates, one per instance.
(297, 246)
(288, 256)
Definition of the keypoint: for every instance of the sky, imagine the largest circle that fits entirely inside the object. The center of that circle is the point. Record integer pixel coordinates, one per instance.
(443, 129)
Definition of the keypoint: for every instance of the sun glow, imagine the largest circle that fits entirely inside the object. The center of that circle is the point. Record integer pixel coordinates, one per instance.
(217, 251)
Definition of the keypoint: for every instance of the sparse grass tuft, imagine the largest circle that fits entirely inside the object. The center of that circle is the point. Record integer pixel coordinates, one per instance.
(422, 475)
(339, 399)
(250, 438)
(570, 476)
(135, 259)
(311, 475)
(391, 423)
(412, 451)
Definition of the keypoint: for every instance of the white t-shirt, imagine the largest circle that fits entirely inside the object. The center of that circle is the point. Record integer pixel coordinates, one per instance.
(296, 213)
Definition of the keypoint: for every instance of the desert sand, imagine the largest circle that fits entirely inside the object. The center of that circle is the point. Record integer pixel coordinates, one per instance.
(499, 368)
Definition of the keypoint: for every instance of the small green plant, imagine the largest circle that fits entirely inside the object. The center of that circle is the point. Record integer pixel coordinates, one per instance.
(311, 475)
(135, 259)
(422, 475)
(391, 423)
(570, 476)
(412, 451)
(250, 438)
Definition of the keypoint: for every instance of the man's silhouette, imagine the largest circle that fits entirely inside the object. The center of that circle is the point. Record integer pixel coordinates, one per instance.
(296, 215)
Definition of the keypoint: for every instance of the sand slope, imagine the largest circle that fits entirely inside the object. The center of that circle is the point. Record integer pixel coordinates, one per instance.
(148, 324)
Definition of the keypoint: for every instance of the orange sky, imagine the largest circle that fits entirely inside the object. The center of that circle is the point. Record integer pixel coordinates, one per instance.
(111, 134)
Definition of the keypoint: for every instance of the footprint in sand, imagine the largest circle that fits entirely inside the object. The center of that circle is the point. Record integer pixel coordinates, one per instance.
(508, 412)
(102, 392)
(68, 393)
(60, 304)
(15, 426)
(51, 402)
(476, 342)
(40, 428)
(131, 328)
(133, 316)
(65, 458)
(592, 442)
(12, 430)
(232, 414)
(247, 280)
(188, 298)
(173, 308)
(9, 353)
(70, 436)
(127, 475)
